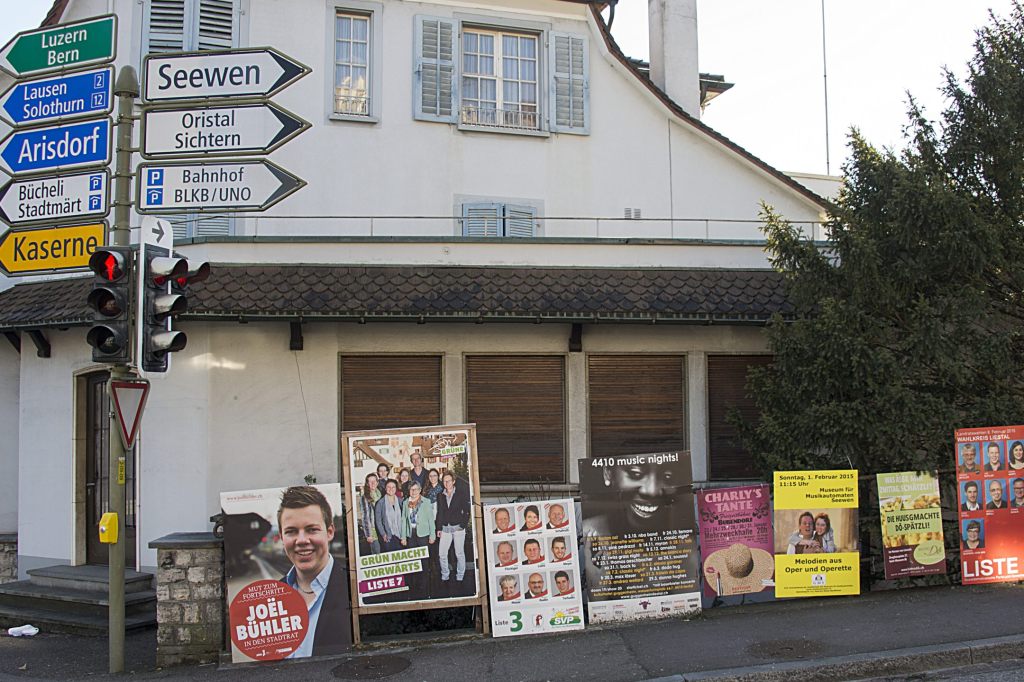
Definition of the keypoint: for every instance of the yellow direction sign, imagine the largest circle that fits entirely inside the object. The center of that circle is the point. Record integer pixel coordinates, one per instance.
(29, 252)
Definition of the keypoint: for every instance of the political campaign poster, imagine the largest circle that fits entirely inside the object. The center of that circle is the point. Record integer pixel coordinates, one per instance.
(736, 540)
(286, 575)
(911, 514)
(413, 535)
(990, 489)
(817, 552)
(640, 536)
(534, 571)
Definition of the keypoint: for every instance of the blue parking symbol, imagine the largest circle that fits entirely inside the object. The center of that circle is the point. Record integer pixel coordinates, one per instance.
(154, 196)
(154, 176)
(95, 201)
(95, 183)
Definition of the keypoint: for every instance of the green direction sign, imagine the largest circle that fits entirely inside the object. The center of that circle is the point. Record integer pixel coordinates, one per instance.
(63, 47)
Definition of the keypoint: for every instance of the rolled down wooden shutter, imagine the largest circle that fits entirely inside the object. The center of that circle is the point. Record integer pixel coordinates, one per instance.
(637, 404)
(727, 390)
(518, 405)
(384, 392)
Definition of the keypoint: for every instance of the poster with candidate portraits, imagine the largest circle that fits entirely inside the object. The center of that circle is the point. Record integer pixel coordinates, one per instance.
(414, 531)
(534, 572)
(639, 536)
(286, 575)
(990, 485)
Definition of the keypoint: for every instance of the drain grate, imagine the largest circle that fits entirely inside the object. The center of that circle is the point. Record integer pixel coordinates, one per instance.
(371, 667)
(785, 649)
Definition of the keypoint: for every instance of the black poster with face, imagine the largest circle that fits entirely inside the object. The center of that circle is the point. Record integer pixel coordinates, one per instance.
(640, 536)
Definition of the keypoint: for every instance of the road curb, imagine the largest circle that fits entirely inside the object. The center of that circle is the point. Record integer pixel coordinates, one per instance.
(873, 664)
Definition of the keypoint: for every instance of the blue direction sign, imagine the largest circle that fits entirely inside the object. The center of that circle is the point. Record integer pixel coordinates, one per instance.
(74, 145)
(76, 95)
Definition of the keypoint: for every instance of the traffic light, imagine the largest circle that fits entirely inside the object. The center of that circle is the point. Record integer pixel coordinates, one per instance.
(111, 302)
(159, 305)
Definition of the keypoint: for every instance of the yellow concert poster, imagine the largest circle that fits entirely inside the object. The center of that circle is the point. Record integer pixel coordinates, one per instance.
(817, 552)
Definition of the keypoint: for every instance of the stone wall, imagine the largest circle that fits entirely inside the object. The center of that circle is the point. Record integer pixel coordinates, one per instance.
(8, 557)
(189, 598)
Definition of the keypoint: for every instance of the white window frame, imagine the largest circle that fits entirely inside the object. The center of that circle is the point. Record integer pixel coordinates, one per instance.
(503, 117)
(373, 11)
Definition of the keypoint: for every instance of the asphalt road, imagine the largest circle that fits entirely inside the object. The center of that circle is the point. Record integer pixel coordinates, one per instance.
(795, 631)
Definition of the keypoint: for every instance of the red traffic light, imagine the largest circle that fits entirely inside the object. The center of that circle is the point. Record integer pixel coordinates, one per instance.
(108, 265)
(161, 269)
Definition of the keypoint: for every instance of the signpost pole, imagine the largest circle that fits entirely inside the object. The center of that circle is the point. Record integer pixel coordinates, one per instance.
(126, 90)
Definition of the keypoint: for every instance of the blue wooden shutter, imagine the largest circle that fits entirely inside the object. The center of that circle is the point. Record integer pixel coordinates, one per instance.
(482, 220)
(216, 29)
(519, 220)
(570, 84)
(434, 90)
(164, 29)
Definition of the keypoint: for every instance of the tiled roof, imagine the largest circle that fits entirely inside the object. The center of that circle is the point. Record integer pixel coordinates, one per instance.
(254, 292)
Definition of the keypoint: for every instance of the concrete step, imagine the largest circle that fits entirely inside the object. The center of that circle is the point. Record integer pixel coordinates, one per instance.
(49, 620)
(93, 578)
(27, 594)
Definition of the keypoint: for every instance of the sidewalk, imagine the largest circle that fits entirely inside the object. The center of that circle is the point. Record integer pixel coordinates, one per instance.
(881, 633)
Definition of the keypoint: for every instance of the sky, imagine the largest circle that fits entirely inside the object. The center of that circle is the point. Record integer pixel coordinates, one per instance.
(876, 51)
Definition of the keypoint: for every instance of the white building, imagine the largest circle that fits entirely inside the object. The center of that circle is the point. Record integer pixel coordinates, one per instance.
(506, 222)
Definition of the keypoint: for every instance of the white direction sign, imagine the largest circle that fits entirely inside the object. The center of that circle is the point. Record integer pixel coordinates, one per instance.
(157, 232)
(240, 129)
(254, 72)
(55, 199)
(212, 186)
(129, 402)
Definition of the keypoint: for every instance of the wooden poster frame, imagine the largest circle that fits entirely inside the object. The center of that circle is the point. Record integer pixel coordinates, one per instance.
(482, 599)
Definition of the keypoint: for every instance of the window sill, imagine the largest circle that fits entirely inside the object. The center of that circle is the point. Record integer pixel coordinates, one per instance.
(355, 118)
(465, 127)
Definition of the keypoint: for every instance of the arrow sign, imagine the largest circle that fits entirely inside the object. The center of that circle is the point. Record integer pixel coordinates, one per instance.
(27, 252)
(241, 129)
(213, 187)
(74, 145)
(129, 402)
(57, 198)
(157, 232)
(256, 72)
(67, 46)
(76, 95)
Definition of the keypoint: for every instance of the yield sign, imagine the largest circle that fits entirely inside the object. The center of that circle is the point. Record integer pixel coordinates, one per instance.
(129, 401)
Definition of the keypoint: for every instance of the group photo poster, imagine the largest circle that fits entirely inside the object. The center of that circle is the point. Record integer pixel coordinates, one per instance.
(283, 560)
(736, 540)
(911, 517)
(817, 552)
(639, 536)
(990, 490)
(414, 528)
(534, 570)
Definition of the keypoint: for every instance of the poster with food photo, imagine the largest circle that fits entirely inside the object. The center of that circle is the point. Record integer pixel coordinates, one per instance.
(287, 579)
(736, 540)
(911, 516)
(639, 536)
(534, 571)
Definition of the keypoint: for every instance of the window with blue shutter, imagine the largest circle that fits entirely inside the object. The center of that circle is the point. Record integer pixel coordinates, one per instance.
(191, 25)
(498, 220)
(494, 77)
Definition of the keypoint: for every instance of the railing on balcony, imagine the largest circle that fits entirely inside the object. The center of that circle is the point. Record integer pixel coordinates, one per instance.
(513, 119)
(550, 227)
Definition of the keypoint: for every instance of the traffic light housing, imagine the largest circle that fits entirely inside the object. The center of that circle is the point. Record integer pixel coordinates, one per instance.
(158, 307)
(111, 302)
